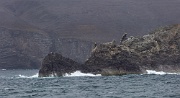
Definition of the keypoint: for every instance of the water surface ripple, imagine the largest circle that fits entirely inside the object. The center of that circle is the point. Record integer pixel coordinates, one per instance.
(127, 86)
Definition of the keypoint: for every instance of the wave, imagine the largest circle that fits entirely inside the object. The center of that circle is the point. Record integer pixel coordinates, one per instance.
(74, 74)
(33, 76)
(79, 73)
(159, 72)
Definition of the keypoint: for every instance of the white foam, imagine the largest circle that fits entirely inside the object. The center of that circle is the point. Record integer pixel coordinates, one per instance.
(3, 69)
(51, 75)
(74, 74)
(33, 76)
(159, 72)
(79, 73)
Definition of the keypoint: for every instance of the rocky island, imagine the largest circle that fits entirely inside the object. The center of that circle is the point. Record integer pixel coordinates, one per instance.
(159, 50)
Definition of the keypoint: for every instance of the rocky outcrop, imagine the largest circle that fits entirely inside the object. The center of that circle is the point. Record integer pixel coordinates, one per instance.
(30, 29)
(160, 50)
(55, 64)
(112, 59)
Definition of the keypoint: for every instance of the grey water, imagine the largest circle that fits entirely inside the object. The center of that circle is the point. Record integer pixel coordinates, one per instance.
(26, 84)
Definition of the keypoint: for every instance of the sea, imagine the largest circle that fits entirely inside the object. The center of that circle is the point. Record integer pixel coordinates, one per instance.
(27, 84)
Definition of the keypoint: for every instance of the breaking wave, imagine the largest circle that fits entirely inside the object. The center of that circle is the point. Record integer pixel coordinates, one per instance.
(159, 72)
(79, 73)
(33, 76)
(74, 74)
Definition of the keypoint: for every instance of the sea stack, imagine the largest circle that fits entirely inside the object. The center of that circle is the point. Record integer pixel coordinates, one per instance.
(56, 65)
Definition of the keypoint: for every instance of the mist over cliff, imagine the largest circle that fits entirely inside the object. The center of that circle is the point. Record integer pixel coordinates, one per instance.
(30, 29)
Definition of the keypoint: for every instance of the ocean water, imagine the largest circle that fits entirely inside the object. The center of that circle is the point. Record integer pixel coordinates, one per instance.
(26, 84)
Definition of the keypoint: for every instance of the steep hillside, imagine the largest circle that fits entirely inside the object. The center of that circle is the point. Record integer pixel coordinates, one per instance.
(25, 49)
(90, 19)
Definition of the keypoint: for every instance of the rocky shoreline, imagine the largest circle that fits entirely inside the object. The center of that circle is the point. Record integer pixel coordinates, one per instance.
(159, 50)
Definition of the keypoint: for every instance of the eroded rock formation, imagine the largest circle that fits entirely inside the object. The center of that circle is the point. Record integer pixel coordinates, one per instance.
(160, 50)
(112, 59)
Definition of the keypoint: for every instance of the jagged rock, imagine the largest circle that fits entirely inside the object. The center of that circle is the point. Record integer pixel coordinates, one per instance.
(55, 64)
(109, 59)
(160, 50)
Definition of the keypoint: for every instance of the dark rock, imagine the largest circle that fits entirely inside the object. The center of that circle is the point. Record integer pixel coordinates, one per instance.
(124, 37)
(109, 59)
(159, 50)
(55, 64)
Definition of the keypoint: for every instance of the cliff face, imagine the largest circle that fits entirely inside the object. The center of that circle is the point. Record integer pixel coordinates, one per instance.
(22, 49)
(159, 50)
